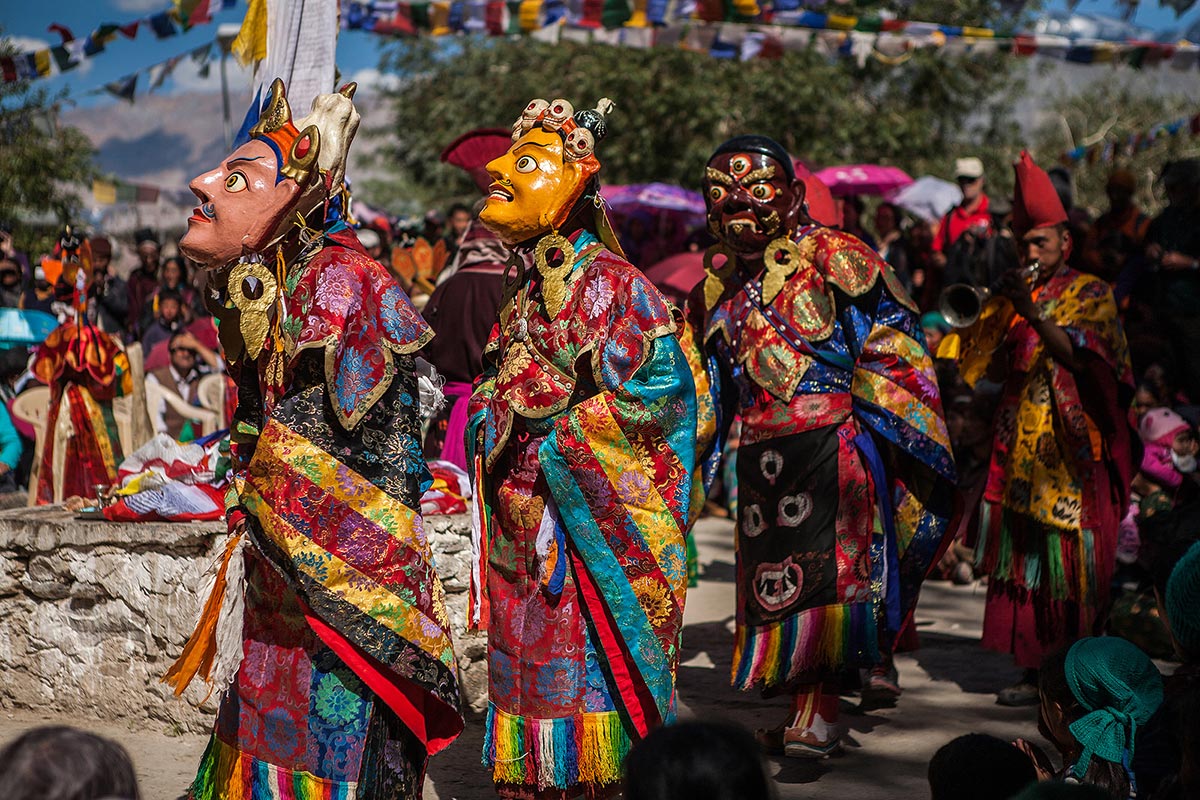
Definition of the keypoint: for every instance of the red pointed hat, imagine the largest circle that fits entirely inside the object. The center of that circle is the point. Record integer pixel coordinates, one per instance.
(821, 206)
(1035, 202)
(473, 150)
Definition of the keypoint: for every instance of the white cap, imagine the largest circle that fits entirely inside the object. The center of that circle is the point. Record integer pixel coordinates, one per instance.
(368, 238)
(969, 167)
(39, 274)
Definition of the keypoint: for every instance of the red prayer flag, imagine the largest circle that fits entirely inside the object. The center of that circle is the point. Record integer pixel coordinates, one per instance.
(495, 15)
(63, 31)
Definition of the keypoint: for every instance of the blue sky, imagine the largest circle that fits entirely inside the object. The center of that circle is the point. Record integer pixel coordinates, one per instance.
(358, 52)
(27, 23)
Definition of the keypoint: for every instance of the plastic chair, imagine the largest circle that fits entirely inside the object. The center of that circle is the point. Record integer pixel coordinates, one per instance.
(209, 419)
(33, 406)
(211, 394)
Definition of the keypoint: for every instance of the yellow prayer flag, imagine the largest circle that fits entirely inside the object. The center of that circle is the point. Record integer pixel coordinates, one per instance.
(105, 192)
(250, 46)
(528, 14)
(41, 60)
(439, 18)
(978, 33)
(838, 22)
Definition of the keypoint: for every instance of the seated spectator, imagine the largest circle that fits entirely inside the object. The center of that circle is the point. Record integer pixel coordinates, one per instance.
(14, 363)
(39, 296)
(167, 320)
(173, 278)
(61, 763)
(979, 767)
(143, 281)
(10, 282)
(693, 760)
(1095, 696)
(11, 449)
(1167, 761)
(182, 376)
(935, 327)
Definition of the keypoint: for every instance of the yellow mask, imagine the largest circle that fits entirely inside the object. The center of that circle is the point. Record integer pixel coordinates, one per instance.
(541, 177)
(533, 186)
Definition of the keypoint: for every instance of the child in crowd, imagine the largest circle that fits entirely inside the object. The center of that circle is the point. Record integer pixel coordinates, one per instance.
(979, 767)
(1095, 697)
(62, 763)
(1169, 453)
(693, 760)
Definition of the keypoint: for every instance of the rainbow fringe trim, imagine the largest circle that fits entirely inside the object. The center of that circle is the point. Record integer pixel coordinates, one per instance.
(1058, 563)
(226, 773)
(814, 640)
(562, 752)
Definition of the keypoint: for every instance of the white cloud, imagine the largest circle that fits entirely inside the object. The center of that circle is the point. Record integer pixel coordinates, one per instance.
(23, 44)
(140, 5)
(371, 79)
(186, 77)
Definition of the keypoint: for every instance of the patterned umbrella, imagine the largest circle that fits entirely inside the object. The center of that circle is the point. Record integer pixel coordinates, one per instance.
(929, 197)
(24, 328)
(863, 179)
(655, 197)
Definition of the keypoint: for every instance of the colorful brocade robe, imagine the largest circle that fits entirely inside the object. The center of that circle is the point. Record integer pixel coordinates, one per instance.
(86, 370)
(583, 439)
(347, 681)
(1057, 485)
(845, 475)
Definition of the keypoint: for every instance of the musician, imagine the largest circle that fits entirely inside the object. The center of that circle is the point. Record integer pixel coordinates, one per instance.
(1057, 482)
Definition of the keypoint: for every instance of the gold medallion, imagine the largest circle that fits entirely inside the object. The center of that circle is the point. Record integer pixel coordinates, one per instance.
(782, 258)
(554, 279)
(715, 279)
(253, 289)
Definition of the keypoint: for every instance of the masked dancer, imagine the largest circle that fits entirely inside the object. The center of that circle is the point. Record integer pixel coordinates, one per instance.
(583, 438)
(845, 476)
(326, 630)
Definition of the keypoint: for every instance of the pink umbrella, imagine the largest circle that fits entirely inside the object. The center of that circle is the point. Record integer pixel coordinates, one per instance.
(863, 179)
(677, 275)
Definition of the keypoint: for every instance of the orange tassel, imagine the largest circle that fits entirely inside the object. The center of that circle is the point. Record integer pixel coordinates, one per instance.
(200, 650)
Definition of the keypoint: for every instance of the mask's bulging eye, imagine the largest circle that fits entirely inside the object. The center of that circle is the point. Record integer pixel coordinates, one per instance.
(716, 194)
(763, 191)
(526, 164)
(235, 182)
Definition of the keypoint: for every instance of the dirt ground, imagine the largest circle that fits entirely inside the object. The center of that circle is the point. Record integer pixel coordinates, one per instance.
(949, 689)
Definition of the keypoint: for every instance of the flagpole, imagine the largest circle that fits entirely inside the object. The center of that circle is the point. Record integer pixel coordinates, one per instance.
(225, 36)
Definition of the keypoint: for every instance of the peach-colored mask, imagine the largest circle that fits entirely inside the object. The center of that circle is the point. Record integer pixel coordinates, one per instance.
(242, 204)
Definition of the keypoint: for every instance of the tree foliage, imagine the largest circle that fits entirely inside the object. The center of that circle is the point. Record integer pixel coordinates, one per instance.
(675, 106)
(1102, 115)
(45, 164)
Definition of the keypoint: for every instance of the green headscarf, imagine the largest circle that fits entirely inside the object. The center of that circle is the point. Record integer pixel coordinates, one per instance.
(1119, 688)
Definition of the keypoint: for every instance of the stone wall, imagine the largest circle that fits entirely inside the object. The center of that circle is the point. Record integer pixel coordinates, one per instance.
(93, 613)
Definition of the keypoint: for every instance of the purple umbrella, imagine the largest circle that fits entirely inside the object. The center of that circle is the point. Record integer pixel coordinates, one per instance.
(863, 179)
(655, 197)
